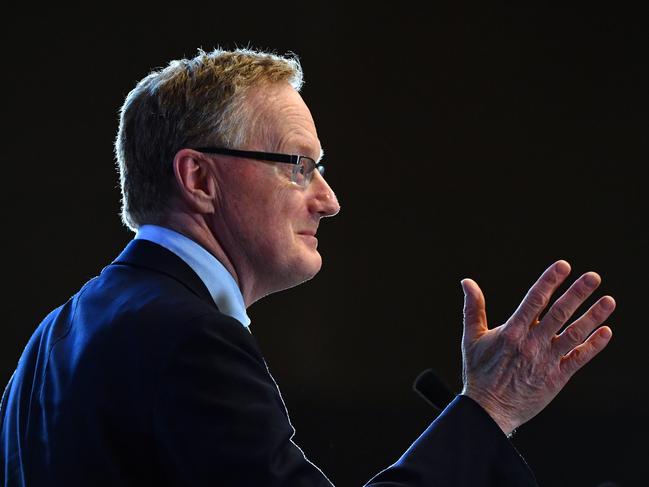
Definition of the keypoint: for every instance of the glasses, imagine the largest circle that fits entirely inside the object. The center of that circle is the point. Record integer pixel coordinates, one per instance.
(303, 166)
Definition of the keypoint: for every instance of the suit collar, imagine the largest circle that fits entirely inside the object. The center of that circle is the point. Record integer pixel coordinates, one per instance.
(220, 283)
(149, 255)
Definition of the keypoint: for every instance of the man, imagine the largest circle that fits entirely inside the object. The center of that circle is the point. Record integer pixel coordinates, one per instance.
(149, 375)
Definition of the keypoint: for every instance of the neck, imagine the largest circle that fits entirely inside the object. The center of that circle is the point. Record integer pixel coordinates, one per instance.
(196, 228)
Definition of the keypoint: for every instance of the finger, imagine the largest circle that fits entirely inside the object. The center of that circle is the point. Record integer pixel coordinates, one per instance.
(577, 332)
(582, 354)
(564, 307)
(475, 316)
(538, 296)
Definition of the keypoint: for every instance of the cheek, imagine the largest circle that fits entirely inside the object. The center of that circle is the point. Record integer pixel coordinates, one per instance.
(287, 217)
(284, 204)
(273, 220)
(282, 218)
(268, 211)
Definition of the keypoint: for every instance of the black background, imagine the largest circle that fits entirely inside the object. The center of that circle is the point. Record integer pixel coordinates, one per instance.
(483, 143)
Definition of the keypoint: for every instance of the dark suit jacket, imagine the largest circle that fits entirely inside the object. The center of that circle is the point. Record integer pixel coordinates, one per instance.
(139, 380)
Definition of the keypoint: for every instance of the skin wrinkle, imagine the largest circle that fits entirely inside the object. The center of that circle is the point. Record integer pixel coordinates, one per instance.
(295, 140)
(514, 370)
(259, 213)
(528, 373)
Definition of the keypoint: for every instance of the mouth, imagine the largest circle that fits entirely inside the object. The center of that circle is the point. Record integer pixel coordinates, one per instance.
(309, 237)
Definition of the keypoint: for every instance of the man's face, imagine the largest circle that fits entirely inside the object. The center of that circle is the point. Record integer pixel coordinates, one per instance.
(265, 222)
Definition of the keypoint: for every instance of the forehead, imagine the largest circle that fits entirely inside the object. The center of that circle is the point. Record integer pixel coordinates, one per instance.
(281, 121)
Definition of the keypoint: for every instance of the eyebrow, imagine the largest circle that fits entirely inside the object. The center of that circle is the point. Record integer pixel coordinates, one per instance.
(304, 150)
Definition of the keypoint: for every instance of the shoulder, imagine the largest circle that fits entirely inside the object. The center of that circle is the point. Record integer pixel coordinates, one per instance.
(138, 316)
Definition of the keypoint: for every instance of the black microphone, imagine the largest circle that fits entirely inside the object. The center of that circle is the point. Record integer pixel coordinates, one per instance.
(432, 389)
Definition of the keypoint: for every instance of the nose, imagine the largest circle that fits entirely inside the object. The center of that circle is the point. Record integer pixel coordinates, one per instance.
(323, 200)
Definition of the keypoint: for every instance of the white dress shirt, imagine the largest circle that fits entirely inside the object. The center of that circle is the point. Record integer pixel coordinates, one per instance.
(219, 282)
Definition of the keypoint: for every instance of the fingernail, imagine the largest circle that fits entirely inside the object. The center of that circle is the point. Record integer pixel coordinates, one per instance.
(608, 304)
(591, 279)
(605, 333)
(562, 267)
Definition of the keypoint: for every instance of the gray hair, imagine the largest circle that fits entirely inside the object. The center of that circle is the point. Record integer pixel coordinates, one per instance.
(191, 102)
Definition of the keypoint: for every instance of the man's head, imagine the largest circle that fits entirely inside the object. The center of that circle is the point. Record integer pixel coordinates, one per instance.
(249, 213)
(191, 102)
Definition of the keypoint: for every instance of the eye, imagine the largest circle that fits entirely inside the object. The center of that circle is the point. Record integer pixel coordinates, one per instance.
(301, 172)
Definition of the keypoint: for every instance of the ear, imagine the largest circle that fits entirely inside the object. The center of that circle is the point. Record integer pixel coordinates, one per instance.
(196, 181)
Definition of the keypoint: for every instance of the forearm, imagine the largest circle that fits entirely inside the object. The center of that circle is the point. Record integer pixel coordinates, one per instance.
(462, 447)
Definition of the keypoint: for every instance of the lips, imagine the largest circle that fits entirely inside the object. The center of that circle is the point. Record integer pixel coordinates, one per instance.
(309, 237)
(309, 233)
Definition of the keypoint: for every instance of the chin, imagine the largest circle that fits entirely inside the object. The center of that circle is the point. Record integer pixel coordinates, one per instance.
(305, 268)
(311, 265)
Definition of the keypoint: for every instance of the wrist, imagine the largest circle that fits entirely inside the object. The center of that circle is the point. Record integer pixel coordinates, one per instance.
(496, 412)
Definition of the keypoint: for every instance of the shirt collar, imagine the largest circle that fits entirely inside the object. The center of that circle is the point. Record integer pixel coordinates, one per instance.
(220, 283)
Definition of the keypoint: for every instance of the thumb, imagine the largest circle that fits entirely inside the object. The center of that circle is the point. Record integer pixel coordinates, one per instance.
(475, 316)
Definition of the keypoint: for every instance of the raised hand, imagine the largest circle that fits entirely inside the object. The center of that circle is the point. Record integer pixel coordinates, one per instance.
(514, 370)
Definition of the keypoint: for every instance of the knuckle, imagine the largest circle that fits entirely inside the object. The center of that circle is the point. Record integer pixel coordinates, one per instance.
(536, 299)
(510, 337)
(569, 363)
(568, 367)
(559, 313)
(578, 357)
(581, 291)
(573, 335)
(595, 315)
(600, 311)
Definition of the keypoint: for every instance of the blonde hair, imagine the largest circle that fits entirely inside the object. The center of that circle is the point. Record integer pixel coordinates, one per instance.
(190, 103)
